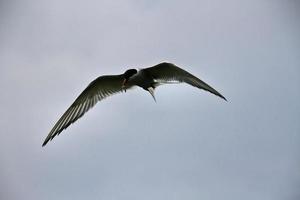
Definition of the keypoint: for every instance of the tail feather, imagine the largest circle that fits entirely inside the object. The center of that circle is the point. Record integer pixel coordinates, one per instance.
(151, 91)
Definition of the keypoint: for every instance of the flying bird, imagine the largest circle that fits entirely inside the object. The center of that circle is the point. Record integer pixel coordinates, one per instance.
(104, 86)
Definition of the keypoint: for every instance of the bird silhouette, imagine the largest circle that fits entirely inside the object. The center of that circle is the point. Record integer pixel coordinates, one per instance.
(104, 86)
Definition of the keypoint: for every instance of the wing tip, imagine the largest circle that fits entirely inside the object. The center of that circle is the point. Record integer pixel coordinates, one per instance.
(221, 96)
(45, 142)
(49, 138)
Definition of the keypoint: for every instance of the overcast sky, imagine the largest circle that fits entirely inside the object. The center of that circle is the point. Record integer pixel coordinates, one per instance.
(190, 144)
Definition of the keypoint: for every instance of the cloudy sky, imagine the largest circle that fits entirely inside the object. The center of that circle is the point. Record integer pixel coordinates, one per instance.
(190, 144)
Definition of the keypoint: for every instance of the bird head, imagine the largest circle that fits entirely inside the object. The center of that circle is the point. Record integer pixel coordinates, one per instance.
(129, 73)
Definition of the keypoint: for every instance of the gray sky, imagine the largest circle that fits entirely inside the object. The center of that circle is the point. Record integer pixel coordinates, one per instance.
(190, 144)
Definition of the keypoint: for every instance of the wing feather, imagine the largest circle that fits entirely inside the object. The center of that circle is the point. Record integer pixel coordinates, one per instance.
(97, 90)
(164, 73)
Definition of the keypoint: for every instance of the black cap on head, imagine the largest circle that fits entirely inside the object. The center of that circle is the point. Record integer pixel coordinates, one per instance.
(129, 73)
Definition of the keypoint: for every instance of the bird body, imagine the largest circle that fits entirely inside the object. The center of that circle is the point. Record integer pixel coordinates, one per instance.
(104, 86)
(141, 79)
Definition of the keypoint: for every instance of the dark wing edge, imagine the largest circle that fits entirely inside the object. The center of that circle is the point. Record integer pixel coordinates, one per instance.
(97, 90)
(165, 73)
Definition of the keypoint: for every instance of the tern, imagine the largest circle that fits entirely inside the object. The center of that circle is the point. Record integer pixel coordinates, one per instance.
(104, 86)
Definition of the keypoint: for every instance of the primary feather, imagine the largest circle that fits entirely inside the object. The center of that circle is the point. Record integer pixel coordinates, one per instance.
(97, 90)
(164, 73)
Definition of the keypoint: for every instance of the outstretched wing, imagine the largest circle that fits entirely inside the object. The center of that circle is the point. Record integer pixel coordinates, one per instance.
(170, 73)
(97, 90)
